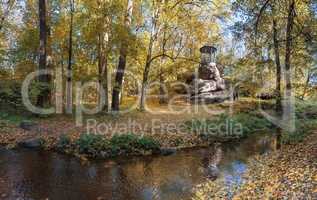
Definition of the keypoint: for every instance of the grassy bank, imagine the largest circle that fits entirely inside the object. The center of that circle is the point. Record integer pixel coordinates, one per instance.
(245, 120)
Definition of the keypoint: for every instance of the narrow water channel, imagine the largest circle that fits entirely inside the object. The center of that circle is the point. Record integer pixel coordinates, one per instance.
(26, 174)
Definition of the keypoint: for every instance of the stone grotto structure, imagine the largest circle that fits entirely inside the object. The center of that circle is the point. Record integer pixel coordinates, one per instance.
(208, 86)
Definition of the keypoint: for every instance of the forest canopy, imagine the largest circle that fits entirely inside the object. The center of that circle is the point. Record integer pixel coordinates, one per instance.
(158, 41)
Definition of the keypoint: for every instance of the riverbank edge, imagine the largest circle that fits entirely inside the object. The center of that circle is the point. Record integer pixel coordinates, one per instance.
(51, 144)
(287, 173)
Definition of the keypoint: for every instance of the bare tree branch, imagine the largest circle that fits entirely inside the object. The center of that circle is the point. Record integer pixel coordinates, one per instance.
(259, 18)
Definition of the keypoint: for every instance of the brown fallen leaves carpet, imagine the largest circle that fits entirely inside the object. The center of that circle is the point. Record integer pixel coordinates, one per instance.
(290, 173)
(10, 134)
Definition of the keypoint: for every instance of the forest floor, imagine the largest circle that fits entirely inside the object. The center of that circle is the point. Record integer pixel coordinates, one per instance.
(290, 173)
(161, 124)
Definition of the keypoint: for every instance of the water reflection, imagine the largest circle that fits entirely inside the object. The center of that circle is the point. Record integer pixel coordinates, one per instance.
(39, 175)
(233, 175)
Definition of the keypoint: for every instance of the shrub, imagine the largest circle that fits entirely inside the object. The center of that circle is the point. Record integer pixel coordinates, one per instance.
(91, 144)
(11, 97)
(252, 122)
(64, 142)
(14, 118)
(125, 143)
(94, 145)
(148, 143)
(131, 143)
(293, 138)
(306, 110)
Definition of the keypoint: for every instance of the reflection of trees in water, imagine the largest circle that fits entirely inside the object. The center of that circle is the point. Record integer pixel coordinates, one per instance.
(266, 144)
(233, 177)
(138, 178)
(165, 177)
(235, 151)
(122, 186)
(248, 147)
(211, 162)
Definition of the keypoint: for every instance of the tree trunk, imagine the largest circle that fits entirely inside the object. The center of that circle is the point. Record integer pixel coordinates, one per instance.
(146, 75)
(148, 59)
(163, 99)
(2, 22)
(279, 107)
(118, 80)
(288, 111)
(288, 51)
(306, 85)
(103, 68)
(278, 138)
(122, 61)
(44, 80)
(105, 82)
(69, 85)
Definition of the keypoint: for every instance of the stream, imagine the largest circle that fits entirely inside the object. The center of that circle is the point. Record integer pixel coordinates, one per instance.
(29, 174)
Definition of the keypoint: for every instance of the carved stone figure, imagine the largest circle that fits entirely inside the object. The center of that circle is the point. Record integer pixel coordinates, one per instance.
(208, 86)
